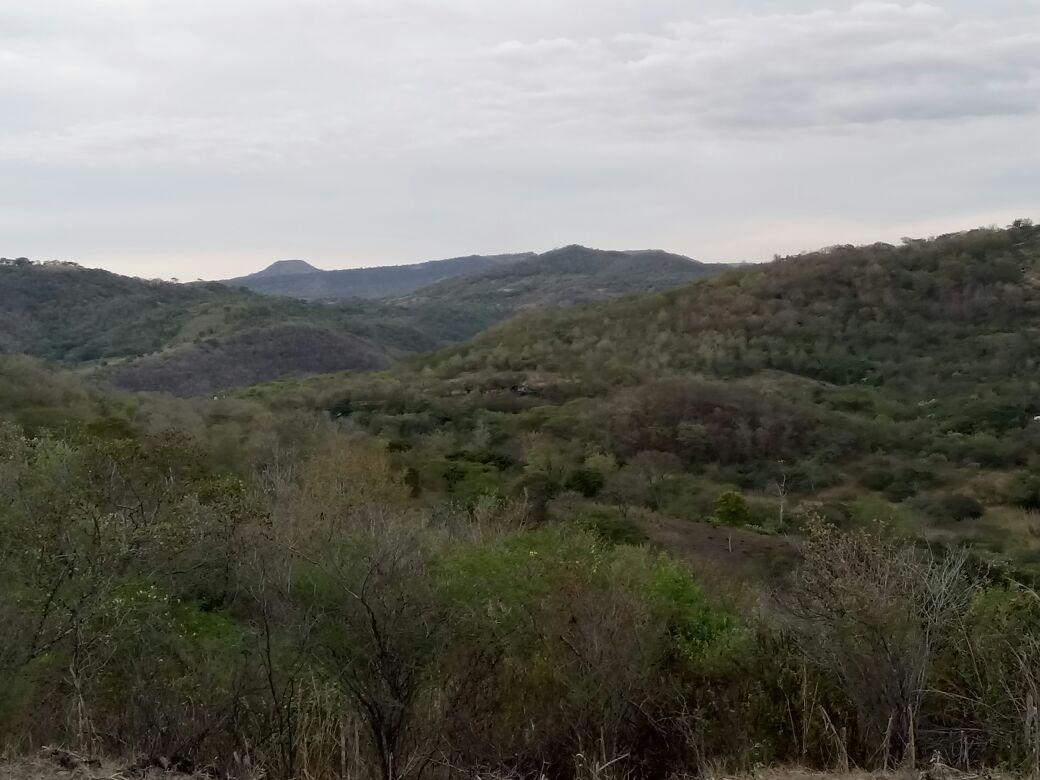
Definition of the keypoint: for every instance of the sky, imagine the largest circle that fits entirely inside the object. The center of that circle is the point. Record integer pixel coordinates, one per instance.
(208, 138)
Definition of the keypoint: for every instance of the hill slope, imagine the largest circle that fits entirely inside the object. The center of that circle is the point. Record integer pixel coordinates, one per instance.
(206, 337)
(185, 338)
(561, 277)
(953, 309)
(311, 283)
(878, 382)
(66, 313)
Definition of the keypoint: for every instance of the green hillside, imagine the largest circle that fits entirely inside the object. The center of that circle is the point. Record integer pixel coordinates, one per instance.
(562, 277)
(879, 382)
(186, 338)
(203, 338)
(639, 535)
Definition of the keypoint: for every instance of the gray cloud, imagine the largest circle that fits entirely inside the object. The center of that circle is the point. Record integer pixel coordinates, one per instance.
(184, 137)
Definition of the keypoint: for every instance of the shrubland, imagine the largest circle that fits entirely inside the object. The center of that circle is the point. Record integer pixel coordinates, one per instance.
(782, 516)
(289, 600)
(857, 383)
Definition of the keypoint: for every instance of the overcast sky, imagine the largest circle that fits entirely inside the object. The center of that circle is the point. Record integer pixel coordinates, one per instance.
(208, 138)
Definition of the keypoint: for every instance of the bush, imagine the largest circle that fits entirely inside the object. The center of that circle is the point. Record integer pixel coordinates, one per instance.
(587, 482)
(953, 506)
(1023, 490)
(611, 526)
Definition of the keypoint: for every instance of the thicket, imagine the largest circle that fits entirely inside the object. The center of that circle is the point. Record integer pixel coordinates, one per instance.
(312, 618)
(444, 569)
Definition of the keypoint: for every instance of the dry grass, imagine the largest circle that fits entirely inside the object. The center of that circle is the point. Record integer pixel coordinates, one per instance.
(935, 771)
(51, 769)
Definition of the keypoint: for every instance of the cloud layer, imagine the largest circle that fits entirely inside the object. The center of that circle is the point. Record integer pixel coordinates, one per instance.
(188, 137)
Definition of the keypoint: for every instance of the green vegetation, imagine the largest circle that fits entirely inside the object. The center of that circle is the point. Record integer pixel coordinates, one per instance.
(858, 383)
(185, 338)
(464, 305)
(307, 613)
(203, 338)
(784, 515)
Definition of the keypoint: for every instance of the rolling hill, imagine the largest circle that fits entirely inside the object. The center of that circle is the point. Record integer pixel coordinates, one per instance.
(561, 277)
(185, 338)
(202, 338)
(899, 383)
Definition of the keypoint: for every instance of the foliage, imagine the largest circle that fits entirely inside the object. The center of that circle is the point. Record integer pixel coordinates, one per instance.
(495, 560)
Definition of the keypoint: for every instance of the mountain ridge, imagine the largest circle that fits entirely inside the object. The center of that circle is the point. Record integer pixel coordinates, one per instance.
(367, 282)
(204, 337)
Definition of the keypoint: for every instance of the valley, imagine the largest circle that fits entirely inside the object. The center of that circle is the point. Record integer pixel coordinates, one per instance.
(651, 512)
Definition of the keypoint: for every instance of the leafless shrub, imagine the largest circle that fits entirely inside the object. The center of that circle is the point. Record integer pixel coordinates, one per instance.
(874, 611)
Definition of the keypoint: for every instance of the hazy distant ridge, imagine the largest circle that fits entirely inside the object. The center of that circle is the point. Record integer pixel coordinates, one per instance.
(298, 279)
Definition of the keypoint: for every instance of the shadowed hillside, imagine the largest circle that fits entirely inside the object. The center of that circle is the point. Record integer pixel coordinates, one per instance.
(248, 357)
(185, 338)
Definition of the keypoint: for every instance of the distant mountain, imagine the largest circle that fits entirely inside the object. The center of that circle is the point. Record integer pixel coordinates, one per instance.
(297, 279)
(286, 268)
(561, 277)
(205, 337)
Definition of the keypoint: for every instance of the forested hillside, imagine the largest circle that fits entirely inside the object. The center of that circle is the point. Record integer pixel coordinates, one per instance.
(201, 338)
(860, 383)
(62, 312)
(562, 277)
(957, 308)
(187, 338)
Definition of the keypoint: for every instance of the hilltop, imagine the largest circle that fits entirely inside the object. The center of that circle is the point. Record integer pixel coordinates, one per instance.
(285, 268)
(567, 276)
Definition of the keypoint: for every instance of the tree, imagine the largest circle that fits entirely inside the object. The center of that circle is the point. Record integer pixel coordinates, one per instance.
(731, 510)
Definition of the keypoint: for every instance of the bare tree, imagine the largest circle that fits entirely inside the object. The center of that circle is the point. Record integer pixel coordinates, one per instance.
(874, 611)
(781, 491)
